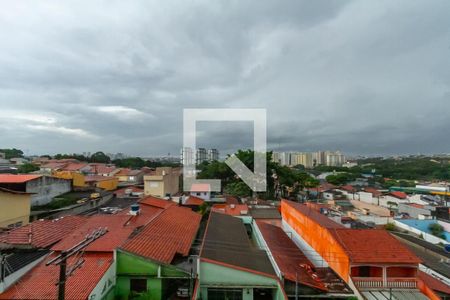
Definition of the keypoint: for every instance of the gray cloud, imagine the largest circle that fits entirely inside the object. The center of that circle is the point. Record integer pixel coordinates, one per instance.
(361, 76)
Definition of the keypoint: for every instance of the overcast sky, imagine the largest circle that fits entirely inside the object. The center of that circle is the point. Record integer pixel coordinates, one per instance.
(365, 77)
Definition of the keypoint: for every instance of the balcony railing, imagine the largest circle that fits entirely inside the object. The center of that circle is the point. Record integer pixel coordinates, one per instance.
(378, 283)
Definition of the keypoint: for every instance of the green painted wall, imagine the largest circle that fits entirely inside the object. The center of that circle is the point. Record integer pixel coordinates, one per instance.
(131, 266)
(219, 276)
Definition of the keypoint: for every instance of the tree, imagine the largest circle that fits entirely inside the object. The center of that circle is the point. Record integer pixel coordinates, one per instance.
(239, 189)
(27, 168)
(391, 204)
(100, 157)
(340, 178)
(12, 153)
(437, 230)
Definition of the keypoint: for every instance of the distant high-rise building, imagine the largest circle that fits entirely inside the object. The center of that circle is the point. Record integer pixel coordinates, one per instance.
(201, 155)
(334, 159)
(213, 154)
(187, 156)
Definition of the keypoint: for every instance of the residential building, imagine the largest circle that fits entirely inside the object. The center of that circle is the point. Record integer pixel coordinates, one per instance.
(43, 188)
(201, 155)
(187, 156)
(213, 155)
(334, 159)
(305, 159)
(15, 208)
(102, 182)
(126, 175)
(201, 190)
(231, 266)
(164, 182)
(371, 261)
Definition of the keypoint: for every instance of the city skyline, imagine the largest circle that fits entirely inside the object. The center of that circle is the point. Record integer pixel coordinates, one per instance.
(328, 79)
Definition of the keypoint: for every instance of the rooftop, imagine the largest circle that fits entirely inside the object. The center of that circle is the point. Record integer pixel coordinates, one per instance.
(313, 215)
(41, 233)
(226, 242)
(172, 232)
(155, 201)
(40, 282)
(192, 200)
(13, 178)
(289, 258)
(232, 209)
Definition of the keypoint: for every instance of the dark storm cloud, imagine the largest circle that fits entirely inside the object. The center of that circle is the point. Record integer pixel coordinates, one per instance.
(361, 76)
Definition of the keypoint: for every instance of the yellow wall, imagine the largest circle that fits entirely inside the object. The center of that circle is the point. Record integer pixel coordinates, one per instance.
(108, 185)
(159, 186)
(14, 208)
(122, 178)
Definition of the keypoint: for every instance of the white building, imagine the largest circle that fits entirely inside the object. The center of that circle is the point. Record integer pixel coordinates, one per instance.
(213, 154)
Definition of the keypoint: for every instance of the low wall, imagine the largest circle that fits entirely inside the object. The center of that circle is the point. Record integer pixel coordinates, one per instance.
(426, 236)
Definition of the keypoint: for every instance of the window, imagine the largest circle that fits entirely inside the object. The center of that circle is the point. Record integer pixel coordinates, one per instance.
(138, 285)
(221, 294)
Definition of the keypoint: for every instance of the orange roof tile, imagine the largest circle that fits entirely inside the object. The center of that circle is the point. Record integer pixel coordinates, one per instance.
(192, 200)
(13, 178)
(42, 233)
(399, 195)
(171, 232)
(39, 283)
(117, 233)
(158, 202)
(434, 283)
(373, 246)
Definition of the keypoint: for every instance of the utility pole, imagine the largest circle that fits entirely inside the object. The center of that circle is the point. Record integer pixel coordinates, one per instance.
(76, 250)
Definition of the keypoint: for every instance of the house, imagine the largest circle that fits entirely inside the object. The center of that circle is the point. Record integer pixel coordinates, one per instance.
(126, 175)
(43, 188)
(201, 190)
(15, 208)
(25, 247)
(156, 261)
(102, 182)
(370, 261)
(231, 266)
(164, 182)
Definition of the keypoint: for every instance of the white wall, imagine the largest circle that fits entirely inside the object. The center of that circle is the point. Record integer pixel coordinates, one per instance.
(426, 236)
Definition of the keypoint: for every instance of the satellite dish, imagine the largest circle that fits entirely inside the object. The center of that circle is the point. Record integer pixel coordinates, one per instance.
(447, 248)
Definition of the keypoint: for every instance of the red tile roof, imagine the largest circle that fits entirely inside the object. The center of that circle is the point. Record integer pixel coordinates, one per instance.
(13, 178)
(123, 172)
(117, 233)
(399, 195)
(348, 188)
(39, 283)
(158, 202)
(373, 246)
(237, 210)
(101, 169)
(231, 200)
(375, 192)
(75, 166)
(42, 233)
(289, 258)
(434, 283)
(171, 232)
(192, 200)
(54, 165)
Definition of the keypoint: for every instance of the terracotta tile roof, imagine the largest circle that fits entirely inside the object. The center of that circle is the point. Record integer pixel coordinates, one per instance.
(75, 166)
(231, 200)
(42, 233)
(289, 258)
(170, 233)
(192, 200)
(232, 210)
(123, 172)
(39, 283)
(399, 195)
(54, 165)
(348, 188)
(158, 202)
(102, 169)
(375, 192)
(117, 233)
(434, 283)
(200, 187)
(146, 214)
(12, 178)
(373, 246)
